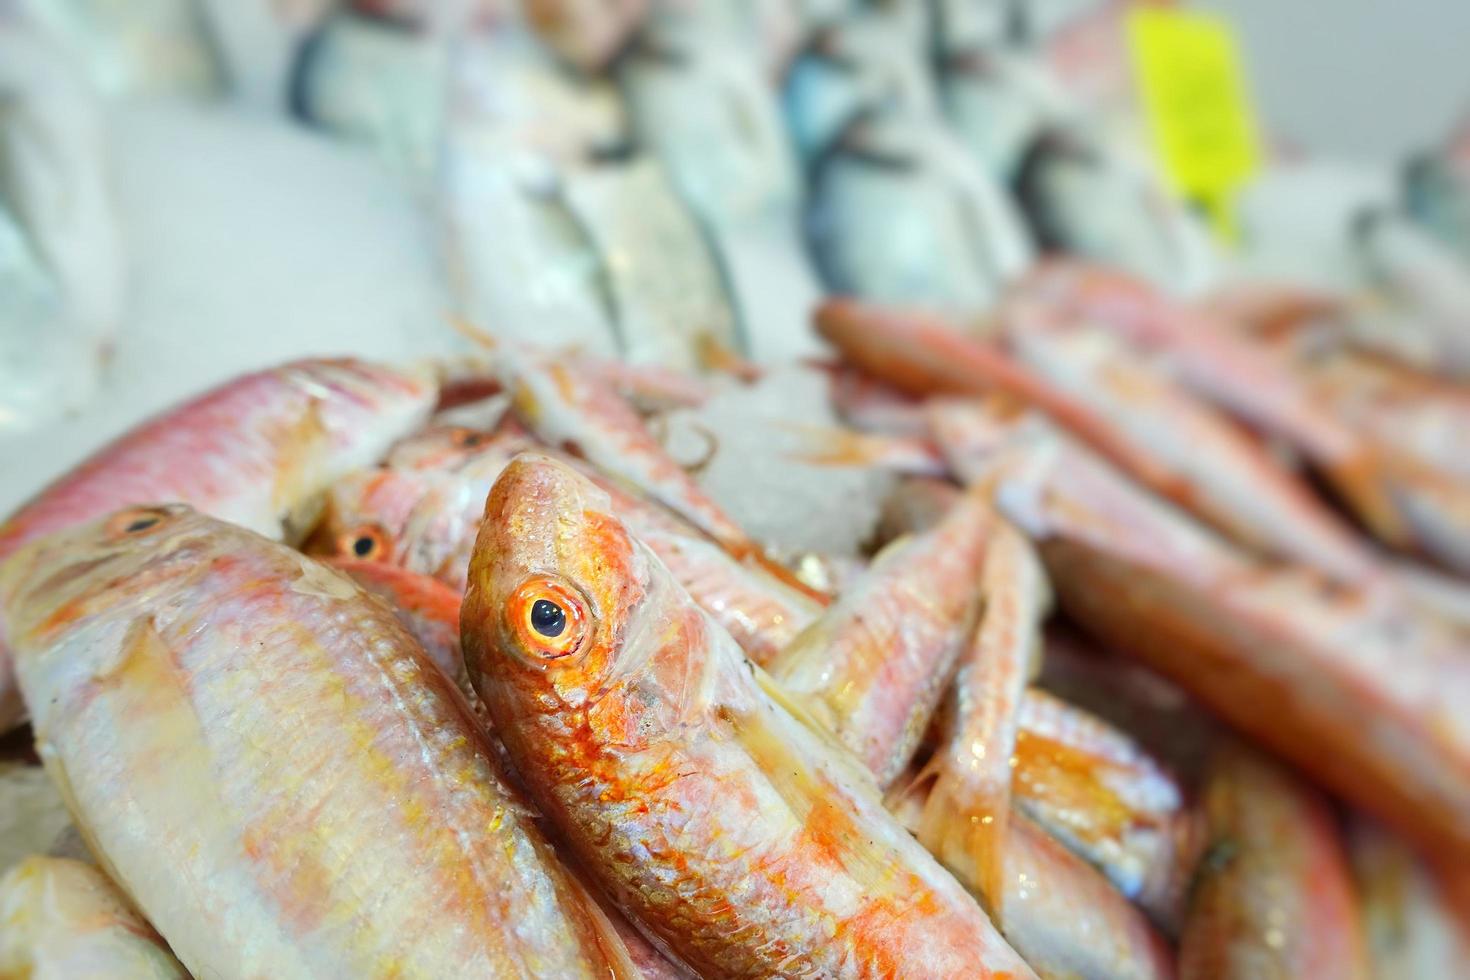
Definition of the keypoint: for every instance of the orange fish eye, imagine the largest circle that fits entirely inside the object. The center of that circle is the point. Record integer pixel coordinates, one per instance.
(367, 542)
(549, 618)
(137, 521)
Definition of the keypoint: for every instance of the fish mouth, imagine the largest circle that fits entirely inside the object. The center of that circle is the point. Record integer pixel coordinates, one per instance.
(532, 502)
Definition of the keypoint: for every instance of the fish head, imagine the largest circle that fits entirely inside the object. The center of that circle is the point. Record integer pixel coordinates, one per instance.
(65, 579)
(367, 514)
(557, 583)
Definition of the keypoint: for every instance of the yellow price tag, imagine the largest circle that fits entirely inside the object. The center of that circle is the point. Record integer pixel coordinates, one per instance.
(1198, 105)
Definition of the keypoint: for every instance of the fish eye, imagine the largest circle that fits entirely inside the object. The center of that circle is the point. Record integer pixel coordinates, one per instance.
(467, 438)
(138, 521)
(367, 542)
(549, 617)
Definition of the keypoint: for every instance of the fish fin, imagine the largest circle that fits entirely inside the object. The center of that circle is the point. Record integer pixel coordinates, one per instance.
(755, 556)
(619, 961)
(715, 355)
(299, 474)
(817, 800)
(965, 833)
(783, 699)
(839, 446)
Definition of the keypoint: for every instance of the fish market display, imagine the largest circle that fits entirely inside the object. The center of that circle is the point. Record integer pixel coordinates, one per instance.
(831, 507)
(151, 647)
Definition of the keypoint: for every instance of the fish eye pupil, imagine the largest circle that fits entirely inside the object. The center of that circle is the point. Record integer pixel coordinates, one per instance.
(547, 618)
(363, 546)
(140, 524)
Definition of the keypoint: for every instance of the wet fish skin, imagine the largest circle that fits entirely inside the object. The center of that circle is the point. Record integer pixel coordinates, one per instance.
(428, 608)
(257, 450)
(1065, 916)
(173, 661)
(1411, 924)
(925, 355)
(61, 919)
(1078, 778)
(874, 667)
(1273, 897)
(1277, 652)
(972, 769)
(1093, 788)
(742, 838)
(1059, 913)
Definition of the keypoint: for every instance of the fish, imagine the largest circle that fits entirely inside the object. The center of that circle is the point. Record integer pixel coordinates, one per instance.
(708, 113)
(64, 918)
(1279, 652)
(900, 213)
(866, 61)
(420, 509)
(1231, 481)
(971, 771)
(517, 127)
(1065, 918)
(1425, 279)
(1157, 716)
(1411, 922)
(426, 607)
(1095, 789)
(1078, 779)
(1085, 197)
(171, 661)
(922, 354)
(1436, 194)
(998, 101)
(1060, 914)
(255, 42)
(587, 33)
(664, 283)
(705, 108)
(1207, 353)
(738, 835)
(375, 83)
(258, 450)
(1162, 433)
(873, 668)
(1273, 896)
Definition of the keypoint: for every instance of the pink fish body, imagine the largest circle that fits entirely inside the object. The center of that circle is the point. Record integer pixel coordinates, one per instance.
(258, 451)
(271, 767)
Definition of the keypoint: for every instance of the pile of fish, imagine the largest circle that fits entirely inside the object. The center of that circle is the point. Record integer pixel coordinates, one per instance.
(871, 530)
